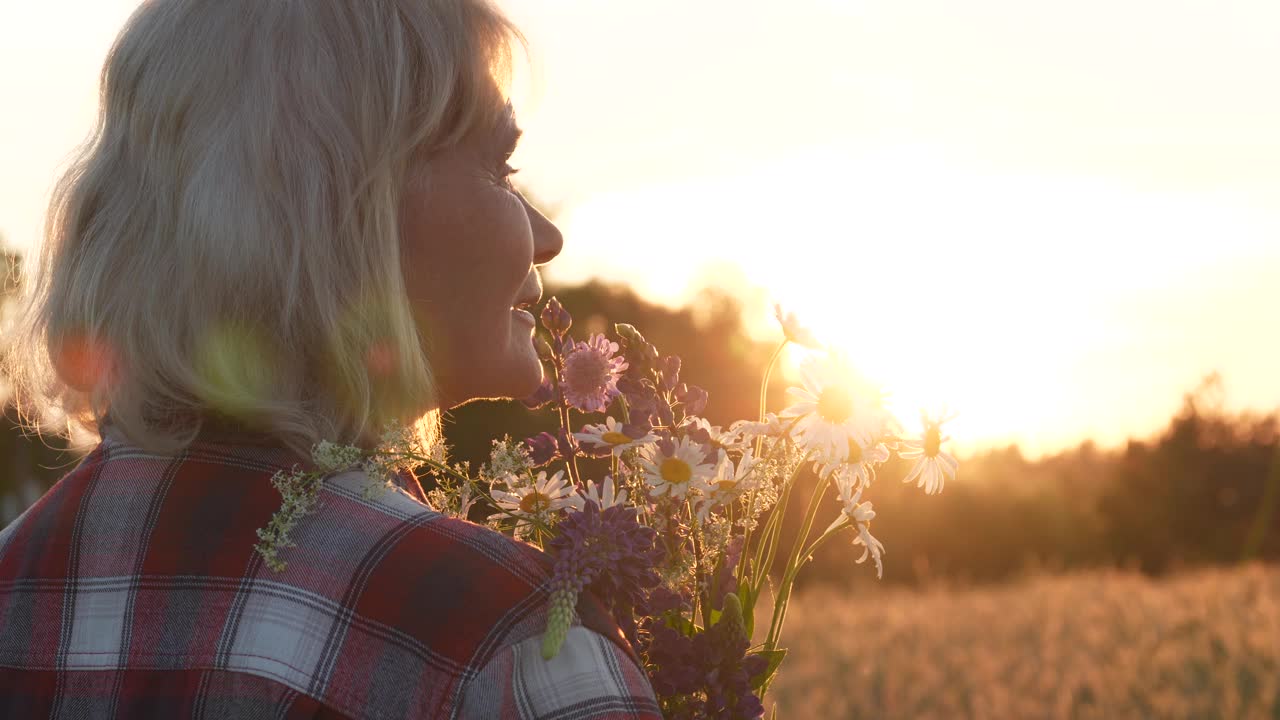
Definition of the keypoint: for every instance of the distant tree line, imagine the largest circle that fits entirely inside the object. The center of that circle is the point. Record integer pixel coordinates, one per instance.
(1205, 491)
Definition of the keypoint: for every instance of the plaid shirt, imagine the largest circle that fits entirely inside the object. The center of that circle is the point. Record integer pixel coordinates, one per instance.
(132, 590)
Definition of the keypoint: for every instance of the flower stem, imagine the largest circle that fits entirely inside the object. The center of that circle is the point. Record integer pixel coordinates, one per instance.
(793, 565)
(562, 407)
(769, 540)
(699, 579)
(780, 447)
(764, 387)
(751, 503)
(790, 577)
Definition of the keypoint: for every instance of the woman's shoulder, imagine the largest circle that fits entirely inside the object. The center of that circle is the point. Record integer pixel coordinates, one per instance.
(428, 540)
(372, 578)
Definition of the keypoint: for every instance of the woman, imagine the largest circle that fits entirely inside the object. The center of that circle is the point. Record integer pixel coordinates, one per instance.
(294, 223)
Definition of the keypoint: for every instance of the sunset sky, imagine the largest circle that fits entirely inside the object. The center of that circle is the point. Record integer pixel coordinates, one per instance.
(1054, 217)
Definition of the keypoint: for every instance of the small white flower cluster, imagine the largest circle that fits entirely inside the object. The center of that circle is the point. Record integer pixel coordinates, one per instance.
(332, 458)
(454, 499)
(399, 451)
(508, 457)
(300, 491)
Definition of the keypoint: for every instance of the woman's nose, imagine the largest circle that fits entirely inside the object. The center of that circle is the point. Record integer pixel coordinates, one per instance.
(547, 240)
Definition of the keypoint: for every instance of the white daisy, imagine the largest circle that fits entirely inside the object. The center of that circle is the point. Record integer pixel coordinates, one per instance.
(834, 407)
(933, 466)
(857, 470)
(610, 435)
(535, 500)
(693, 424)
(743, 433)
(861, 515)
(676, 467)
(728, 483)
(604, 495)
(793, 330)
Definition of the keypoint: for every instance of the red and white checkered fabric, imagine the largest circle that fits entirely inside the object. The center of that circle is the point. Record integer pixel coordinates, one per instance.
(132, 590)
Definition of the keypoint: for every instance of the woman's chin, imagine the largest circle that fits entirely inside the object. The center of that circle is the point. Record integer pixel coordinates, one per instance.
(530, 377)
(521, 377)
(515, 375)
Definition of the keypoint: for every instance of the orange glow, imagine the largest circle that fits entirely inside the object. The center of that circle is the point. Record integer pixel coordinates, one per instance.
(83, 362)
(380, 359)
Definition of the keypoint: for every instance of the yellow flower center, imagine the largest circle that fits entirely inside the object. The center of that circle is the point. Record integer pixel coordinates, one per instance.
(676, 471)
(615, 438)
(835, 405)
(534, 503)
(932, 441)
(726, 485)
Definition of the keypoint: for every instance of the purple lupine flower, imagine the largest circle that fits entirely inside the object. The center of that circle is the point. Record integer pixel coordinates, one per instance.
(641, 353)
(724, 581)
(708, 675)
(642, 400)
(662, 600)
(674, 668)
(608, 551)
(591, 371)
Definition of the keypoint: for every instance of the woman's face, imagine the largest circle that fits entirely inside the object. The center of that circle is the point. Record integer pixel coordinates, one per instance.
(469, 247)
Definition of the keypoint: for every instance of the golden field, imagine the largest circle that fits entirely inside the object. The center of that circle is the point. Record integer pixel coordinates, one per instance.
(1096, 645)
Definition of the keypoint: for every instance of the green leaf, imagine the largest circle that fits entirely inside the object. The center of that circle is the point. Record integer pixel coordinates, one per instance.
(715, 617)
(775, 659)
(684, 625)
(748, 598)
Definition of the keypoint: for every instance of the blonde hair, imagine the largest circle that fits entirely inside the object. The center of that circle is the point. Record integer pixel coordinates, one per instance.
(226, 244)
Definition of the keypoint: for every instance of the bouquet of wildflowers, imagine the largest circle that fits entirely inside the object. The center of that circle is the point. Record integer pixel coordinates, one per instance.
(670, 521)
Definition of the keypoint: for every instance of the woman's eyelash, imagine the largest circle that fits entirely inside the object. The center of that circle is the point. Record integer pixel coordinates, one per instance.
(507, 171)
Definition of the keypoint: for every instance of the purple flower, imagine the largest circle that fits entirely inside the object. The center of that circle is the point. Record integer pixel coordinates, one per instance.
(723, 581)
(670, 369)
(674, 668)
(662, 600)
(712, 664)
(542, 448)
(555, 318)
(607, 551)
(692, 397)
(642, 353)
(545, 393)
(590, 378)
(642, 400)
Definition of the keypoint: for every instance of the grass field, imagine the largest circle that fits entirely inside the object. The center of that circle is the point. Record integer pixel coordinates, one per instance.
(1098, 645)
